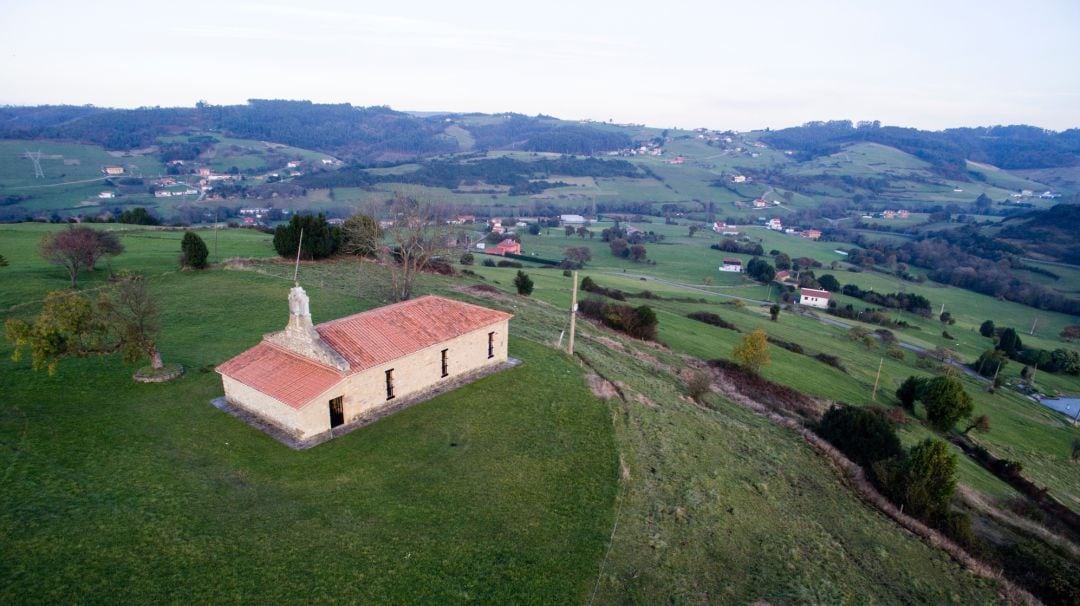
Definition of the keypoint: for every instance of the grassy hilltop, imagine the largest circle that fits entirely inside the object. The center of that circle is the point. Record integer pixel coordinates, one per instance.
(508, 490)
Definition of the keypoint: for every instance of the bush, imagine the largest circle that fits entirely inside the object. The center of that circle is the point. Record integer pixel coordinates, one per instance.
(505, 263)
(908, 392)
(831, 360)
(638, 322)
(193, 251)
(488, 263)
(788, 345)
(713, 319)
(860, 434)
(467, 259)
(697, 385)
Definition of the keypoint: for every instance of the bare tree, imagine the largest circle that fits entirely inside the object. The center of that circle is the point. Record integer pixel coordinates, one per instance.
(419, 233)
(133, 316)
(78, 248)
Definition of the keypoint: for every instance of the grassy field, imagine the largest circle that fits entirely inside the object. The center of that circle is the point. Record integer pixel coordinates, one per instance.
(504, 491)
(119, 492)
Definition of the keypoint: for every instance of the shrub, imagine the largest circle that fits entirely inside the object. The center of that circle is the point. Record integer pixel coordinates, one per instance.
(860, 434)
(831, 360)
(488, 263)
(697, 385)
(505, 263)
(467, 259)
(193, 251)
(788, 345)
(713, 319)
(638, 322)
(908, 392)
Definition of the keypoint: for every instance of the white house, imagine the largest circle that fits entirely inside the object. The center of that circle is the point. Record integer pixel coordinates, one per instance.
(812, 297)
(105, 195)
(774, 224)
(308, 379)
(572, 220)
(732, 264)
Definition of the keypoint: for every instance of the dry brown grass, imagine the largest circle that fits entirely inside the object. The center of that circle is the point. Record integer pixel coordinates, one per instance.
(601, 387)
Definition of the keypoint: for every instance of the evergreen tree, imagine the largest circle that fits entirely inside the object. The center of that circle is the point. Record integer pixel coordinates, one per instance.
(193, 251)
(320, 240)
(523, 283)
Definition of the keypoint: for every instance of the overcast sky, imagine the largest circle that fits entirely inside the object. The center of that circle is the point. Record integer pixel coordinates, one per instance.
(666, 63)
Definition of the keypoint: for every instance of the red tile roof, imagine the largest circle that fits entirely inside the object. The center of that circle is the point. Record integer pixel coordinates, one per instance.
(281, 374)
(365, 339)
(813, 292)
(387, 333)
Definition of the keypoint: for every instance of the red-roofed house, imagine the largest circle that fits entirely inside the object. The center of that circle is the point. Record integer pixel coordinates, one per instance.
(308, 379)
(813, 297)
(504, 247)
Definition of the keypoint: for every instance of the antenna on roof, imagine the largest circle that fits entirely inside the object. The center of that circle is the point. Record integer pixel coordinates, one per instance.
(296, 272)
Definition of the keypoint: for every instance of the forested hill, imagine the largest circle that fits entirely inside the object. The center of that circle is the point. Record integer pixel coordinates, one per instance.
(1049, 233)
(1009, 147)
(355, 133)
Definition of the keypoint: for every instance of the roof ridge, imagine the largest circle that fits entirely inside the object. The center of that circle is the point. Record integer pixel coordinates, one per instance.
(301, 357)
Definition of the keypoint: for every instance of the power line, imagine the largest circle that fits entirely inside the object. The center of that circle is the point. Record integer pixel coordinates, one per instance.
(35, 157)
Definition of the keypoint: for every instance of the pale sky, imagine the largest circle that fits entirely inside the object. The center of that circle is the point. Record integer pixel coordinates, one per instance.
(719, 64)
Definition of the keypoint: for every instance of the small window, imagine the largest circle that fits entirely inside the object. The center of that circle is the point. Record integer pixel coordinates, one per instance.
(491, 345)
(390, 384)
(445, 363)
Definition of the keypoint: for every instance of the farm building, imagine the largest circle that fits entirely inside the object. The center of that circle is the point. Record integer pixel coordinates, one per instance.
(308, 379)
(572, 220)
(811, 297)
(507, 246)
(775, 224)
(112, 170)
(731, 264)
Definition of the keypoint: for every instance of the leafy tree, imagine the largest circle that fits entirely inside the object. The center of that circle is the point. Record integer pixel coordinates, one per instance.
(138, 216)
(1009, 342)
(638, 252)
(360, 235)
(760, 270)
(71, 325)
(908, 392)
(67, 326)
(578, 255)
(620, 247)
(929, 479)
(980, 424)
(865, 437)
(946, 318)
(523, 283)
(78, 248)
(534, 229)
(569, 230)
(783, 261)
(193, 251)
(582, 231)
(467, 259)
(320, 239)
(829, 283)
(752, 352)
(774, 312)
(946, 402)
(990, 362)
(986, 329)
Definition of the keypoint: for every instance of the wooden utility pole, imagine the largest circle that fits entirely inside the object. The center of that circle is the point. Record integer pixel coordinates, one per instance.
(876, 379)
(1033, 324)
(573, 314)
